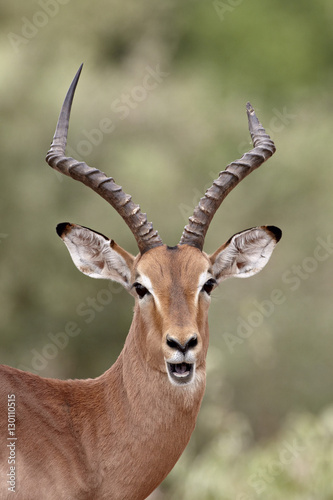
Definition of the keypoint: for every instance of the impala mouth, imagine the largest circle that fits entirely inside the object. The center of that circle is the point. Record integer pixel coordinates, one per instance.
(180, 373)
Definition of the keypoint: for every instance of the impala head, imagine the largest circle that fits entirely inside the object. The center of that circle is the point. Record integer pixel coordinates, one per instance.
(171, 285)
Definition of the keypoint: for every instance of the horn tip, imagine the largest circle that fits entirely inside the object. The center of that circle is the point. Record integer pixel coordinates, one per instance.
(249, 108)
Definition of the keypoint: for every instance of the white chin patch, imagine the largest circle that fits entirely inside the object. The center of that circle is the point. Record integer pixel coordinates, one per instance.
(180, 373)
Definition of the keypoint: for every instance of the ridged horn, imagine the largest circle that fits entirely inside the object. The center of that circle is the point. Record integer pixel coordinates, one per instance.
(105, 186)
(195, 232)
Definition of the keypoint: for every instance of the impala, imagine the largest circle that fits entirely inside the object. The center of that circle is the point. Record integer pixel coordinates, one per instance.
(117, 437)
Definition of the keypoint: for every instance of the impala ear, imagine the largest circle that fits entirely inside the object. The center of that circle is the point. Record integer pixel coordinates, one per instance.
(246, 253)
(95, 255)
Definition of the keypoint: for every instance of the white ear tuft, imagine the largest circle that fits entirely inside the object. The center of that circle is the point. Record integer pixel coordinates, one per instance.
(246, 253)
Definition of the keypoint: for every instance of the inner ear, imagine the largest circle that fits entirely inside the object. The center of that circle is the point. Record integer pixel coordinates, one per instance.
(245, 253)
(96, 255)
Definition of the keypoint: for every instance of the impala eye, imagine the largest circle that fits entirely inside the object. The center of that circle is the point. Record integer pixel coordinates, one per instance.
(208, 286)
(140, 290)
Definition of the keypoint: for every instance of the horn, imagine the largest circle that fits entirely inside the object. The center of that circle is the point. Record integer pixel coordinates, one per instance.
(105, 186)
(195, 231)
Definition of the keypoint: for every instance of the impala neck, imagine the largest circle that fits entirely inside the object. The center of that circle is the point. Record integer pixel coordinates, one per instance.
(150, 420)
(140, 389)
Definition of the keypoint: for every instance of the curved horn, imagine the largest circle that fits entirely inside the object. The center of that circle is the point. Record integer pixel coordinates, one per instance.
(105, 186)
(195, 232)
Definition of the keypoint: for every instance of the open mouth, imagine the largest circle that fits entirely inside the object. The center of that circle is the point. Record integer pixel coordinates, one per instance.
(180, 373)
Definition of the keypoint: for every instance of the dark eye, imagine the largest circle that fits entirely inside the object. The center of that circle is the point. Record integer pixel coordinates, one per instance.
(140, 290)
(208, 286)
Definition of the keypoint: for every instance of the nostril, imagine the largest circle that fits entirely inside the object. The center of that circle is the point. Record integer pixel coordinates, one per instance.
(192, 342)
(175, 344)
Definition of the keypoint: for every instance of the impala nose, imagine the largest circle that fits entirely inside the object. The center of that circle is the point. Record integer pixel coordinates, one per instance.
(183, 348)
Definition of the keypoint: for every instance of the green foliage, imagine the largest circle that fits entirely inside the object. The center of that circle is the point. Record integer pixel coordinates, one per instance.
(295, 465)
(267, 359)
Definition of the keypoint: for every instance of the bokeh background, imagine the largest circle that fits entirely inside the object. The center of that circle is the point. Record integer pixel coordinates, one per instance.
(266, 425)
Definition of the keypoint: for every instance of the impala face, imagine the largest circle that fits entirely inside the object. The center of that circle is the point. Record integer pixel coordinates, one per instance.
(173, 287)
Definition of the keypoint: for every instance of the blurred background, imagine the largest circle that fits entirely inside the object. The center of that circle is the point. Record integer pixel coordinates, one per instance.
(161, 107)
